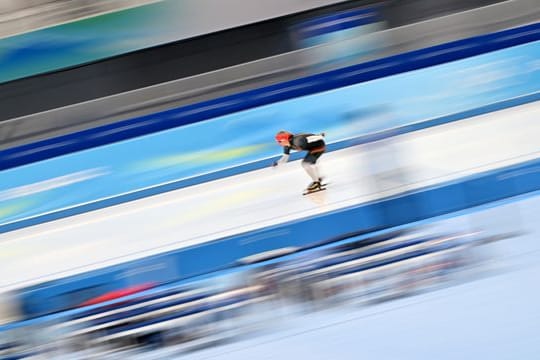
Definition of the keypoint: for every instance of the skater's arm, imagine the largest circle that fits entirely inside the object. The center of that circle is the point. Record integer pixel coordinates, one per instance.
(284, 158)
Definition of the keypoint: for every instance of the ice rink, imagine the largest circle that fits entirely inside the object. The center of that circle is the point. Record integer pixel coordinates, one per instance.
(269, 196)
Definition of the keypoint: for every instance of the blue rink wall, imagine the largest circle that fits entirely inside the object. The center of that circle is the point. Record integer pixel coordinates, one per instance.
(238, 136)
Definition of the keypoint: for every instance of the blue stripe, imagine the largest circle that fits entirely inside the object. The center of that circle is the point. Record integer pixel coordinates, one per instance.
(139, 126)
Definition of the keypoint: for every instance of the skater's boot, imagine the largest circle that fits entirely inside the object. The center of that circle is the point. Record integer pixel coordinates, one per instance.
(314, 186)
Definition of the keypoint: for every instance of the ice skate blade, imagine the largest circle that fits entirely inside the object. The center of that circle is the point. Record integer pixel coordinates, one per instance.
(307, 192)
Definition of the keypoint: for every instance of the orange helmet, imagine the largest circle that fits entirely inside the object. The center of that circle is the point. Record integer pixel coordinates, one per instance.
(283, 135)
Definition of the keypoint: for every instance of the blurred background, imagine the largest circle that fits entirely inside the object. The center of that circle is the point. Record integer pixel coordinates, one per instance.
(140, 216)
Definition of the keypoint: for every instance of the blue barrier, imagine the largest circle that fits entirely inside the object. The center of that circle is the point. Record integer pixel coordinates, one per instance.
(225, 253)
(309, 85)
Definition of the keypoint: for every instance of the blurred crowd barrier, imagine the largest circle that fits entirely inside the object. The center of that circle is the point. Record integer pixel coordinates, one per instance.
(166, 321)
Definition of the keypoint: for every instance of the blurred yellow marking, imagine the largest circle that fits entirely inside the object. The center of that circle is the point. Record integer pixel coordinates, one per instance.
(15, 208)
(202, 157)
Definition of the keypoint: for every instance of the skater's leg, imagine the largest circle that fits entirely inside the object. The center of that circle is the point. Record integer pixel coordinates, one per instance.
(311, 170)
(310, 166)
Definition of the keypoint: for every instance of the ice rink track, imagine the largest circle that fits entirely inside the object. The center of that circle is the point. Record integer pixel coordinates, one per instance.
(236, 204)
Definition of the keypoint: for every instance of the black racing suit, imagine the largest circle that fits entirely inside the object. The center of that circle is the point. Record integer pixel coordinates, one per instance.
(312, 143)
